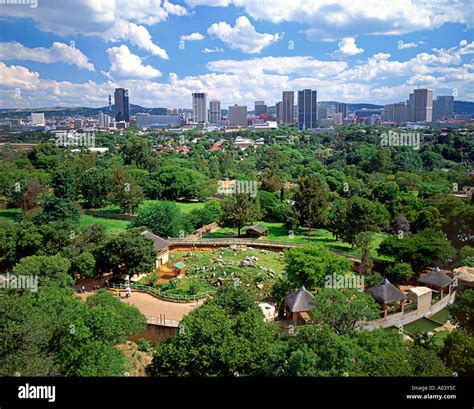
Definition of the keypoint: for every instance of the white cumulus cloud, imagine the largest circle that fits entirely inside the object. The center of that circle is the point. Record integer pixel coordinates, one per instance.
(58, 52)
(402, 45)
(242, 36)
(347, 46)
(192, 37)
(124, 64)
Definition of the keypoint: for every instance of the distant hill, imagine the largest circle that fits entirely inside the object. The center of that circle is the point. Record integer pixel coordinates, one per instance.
(79, 111)
(460, 107)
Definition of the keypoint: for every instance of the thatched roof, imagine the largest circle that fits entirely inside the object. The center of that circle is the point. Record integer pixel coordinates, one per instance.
(300, 300)
(158, 242)
(258, 228)
(465, 273)
(386, 293)
(436, 278)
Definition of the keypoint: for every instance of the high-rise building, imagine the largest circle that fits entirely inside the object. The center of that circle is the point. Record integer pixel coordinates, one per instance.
(342, 108)
(307, 109)
(103, 120)
(122, 105)
(279, 111)
(288, 107)
(260, 108)
(423, 105)
(322, 112)
(337, 119)
(443, 107)
(396, 112)
(214, 112)
(200, 107)
(37, 119)
(238, 115)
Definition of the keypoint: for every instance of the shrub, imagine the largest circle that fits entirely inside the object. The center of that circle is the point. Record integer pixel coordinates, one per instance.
(399, 272)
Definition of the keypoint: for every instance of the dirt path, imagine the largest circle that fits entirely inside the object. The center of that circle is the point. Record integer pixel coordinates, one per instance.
(152, 307)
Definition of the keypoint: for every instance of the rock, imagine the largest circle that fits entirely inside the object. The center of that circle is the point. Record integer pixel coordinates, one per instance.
(260, 286)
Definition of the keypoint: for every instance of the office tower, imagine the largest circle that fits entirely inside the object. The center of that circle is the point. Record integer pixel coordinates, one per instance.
(423, 105)
(215, 112)
(342, 108)
(110, 103)
(260, 108)
(307, 109)
(37, 119)
(443, 107)
(238, 115)
(200, 107)
(103, 120)
(288, 107)
(122, 106)
(396, 112)
(322, 111)
(337, 119)
(78, 124)
(279, 111)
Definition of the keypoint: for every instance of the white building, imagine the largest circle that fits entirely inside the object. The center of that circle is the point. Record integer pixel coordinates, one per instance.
(37, 119)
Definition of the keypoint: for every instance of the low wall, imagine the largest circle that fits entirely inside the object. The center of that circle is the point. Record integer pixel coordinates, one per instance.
(399, 319)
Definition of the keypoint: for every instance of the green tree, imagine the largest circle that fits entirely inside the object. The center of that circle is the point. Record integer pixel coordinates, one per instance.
(239, 210)
(65, 182)
(126, 193)
(57, 209)
(341, 311)
(165, 219)
(50, 269)
(96, 184)
(309, 265)
(421, 250)
(462, 310)
(458, 352)
(311, 202)
(127, 253)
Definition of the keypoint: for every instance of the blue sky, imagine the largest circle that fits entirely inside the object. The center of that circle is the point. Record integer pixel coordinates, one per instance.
(73, 53)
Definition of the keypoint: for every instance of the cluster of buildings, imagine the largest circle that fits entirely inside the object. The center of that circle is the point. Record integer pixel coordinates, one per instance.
(420, 107)
(306, 114)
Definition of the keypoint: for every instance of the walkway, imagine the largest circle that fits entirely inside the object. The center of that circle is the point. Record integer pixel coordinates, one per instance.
(158, 312)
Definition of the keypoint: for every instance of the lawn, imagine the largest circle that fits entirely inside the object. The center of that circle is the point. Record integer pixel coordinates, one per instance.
(8, 216)
(207, 268)
(112, 226)
(276, 232)
(186, 207)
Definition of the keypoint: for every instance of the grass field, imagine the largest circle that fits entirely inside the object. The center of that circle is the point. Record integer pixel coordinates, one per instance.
(276, 232)
(186, 207)
(8, 216)
(205, 268)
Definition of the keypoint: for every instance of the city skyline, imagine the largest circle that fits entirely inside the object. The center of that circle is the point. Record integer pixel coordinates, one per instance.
(162, 52)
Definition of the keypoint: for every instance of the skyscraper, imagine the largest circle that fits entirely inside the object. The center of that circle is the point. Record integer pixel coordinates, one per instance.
(200, 107)
(279, 111)
(238, 115)
(122, 106)
(307, 109)
(260, 108)
(288, 113)
(423, 105)
(341, 108)
(214, 112)
(443, 107)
